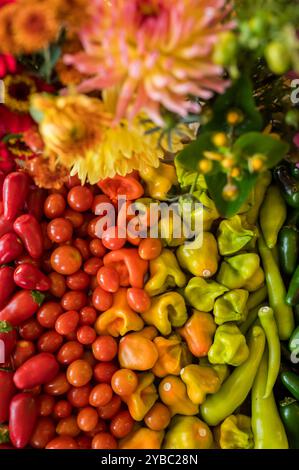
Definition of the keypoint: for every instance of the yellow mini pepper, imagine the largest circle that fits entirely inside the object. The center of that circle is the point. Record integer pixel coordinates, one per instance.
(173, 393)
(143, 398)
(201, 293)
(241, 271)
(173, 355)
(229, 346)
(142, 438)
(200, 261)
(165, 272)
(166, 311)
(188, 432)
(200, 380)
(159, 180)
(233, 235)
(234, 433)
(231, 306)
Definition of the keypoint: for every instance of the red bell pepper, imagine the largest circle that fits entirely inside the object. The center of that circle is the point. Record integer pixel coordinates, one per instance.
(7, 391)
(22, 306)
(22, 419)
(8, 336)
(30, 277)
(6, 226)
(127, 186)
(10, 248)
(37, 370)
(128, 257)
(35, 202)
(7, 285)
(15, 191)
(29, 230)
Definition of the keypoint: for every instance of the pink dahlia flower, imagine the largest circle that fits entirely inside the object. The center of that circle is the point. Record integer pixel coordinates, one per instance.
(157, 52)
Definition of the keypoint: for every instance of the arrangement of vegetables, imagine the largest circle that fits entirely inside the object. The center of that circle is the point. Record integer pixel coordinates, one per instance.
(144, 342)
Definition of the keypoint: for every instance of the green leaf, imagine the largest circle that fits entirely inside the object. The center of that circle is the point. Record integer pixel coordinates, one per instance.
(8, 137)
(50, 56)
(5, 327)
(254, 142)
(192, 153)
(38, 297)
(216, 184)
(4, 434)
(239, 96)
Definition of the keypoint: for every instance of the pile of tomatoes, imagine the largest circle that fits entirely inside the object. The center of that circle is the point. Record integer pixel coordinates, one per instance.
(61, 385)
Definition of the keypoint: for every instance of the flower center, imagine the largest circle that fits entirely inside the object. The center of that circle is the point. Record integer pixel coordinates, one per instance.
(17, 92)
(148, 8)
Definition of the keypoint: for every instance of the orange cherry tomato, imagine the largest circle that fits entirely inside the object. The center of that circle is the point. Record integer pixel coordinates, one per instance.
(97, 248)
(62, 409)
(48, 314)
(150, 248)
(68, 427)
(121, 424)
(124, 382)
(74, 217)
(92, 265)
(70, 352)
(58, 286)
(79, 396)
(80, 198)
(87, 419)
(54, 206)
(58, 386)
(104, 440)
(50, 341)
(66, 260)
(104, 371)
(108, 279)
(60, 230)
(74, 300)
(138, 299)
(84, 442)
(79, 373)
(62, 442)
(113, 240)
(83, 247)
(110, 410)
(104, 348)
(45, 405)
(86, 334)
(67, 322)
(100, 395)
(43, 433)
(88, 316)
(158, 417)
(78, 281)
(101, 300)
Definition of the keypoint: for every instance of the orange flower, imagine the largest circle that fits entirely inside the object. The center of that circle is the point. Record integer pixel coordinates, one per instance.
(74, 13)
(35, 26)
(46, 173)
(67, 74)
(7, 43)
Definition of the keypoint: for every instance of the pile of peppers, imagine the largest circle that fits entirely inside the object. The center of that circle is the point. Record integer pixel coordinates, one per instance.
(205, 337)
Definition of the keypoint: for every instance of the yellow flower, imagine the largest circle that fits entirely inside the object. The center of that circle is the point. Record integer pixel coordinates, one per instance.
(80, 131)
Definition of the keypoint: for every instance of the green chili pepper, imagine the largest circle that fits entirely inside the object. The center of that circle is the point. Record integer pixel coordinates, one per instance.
(293, 218)
(257, 297)
(268, 322)
(294, 341)
(236, 387)
(267, 427)
(288, 245)
(292, 297)
(289, 186)
(277, 292)
(291, 381)
(251, 318)
(289, 412)
(273, 213)
(259, 193)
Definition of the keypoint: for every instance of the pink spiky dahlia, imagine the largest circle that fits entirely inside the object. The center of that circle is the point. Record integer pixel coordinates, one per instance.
(158, 52)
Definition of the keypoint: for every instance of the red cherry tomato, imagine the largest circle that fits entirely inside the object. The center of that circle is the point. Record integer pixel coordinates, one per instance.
(108, 279)
(78, 281)
(104, 371)
(88, 316)
(110, 410)
(104, 348)
(79, 396)
(104, 440)
(97, 248)
(70, 352)
(114, 238)
(62, 409)
(86, 335)
(67, 322)
(50, 341)
(74, 300)
(121, 424)
(48, 314)
(30, 330)
(100, 395)
(54, 206)
(101, 300)
(83, 247)
(80, 198)
(138, 299)
(66, 260)
(92, 265)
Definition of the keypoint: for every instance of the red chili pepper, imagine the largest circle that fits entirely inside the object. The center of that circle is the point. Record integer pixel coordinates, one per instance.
(22, 419)
(10, 248)
(37, 370)
(22, 306)
(30, 277)
(15, 191)
(7, 285)
(28, 229)
(136, 266)
(7, 391)
(35, 202)
(121, 186)
(6, 226)
(8, 336)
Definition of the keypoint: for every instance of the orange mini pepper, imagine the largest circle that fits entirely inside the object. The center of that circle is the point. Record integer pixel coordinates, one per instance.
(142, 438)
(198, 332)
(144, 397)
(120, 318)
(173, 393)
(137, 351)
(173, 355)
(130, 259)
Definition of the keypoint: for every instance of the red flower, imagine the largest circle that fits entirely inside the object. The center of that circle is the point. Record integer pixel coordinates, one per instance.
(7, 162)
(13, 123)
(8, 64)
(5, 2)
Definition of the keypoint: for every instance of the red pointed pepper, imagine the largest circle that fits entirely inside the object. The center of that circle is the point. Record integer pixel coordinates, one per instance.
(29, 230)
(7, 285)
(30, 277)
(6, 226)
(8, 336)
(7, 391)
(22, 306)
(22, 419)
(37, 370)
(130, 259)
(15, 191)
(10, 248)
(2, 178)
